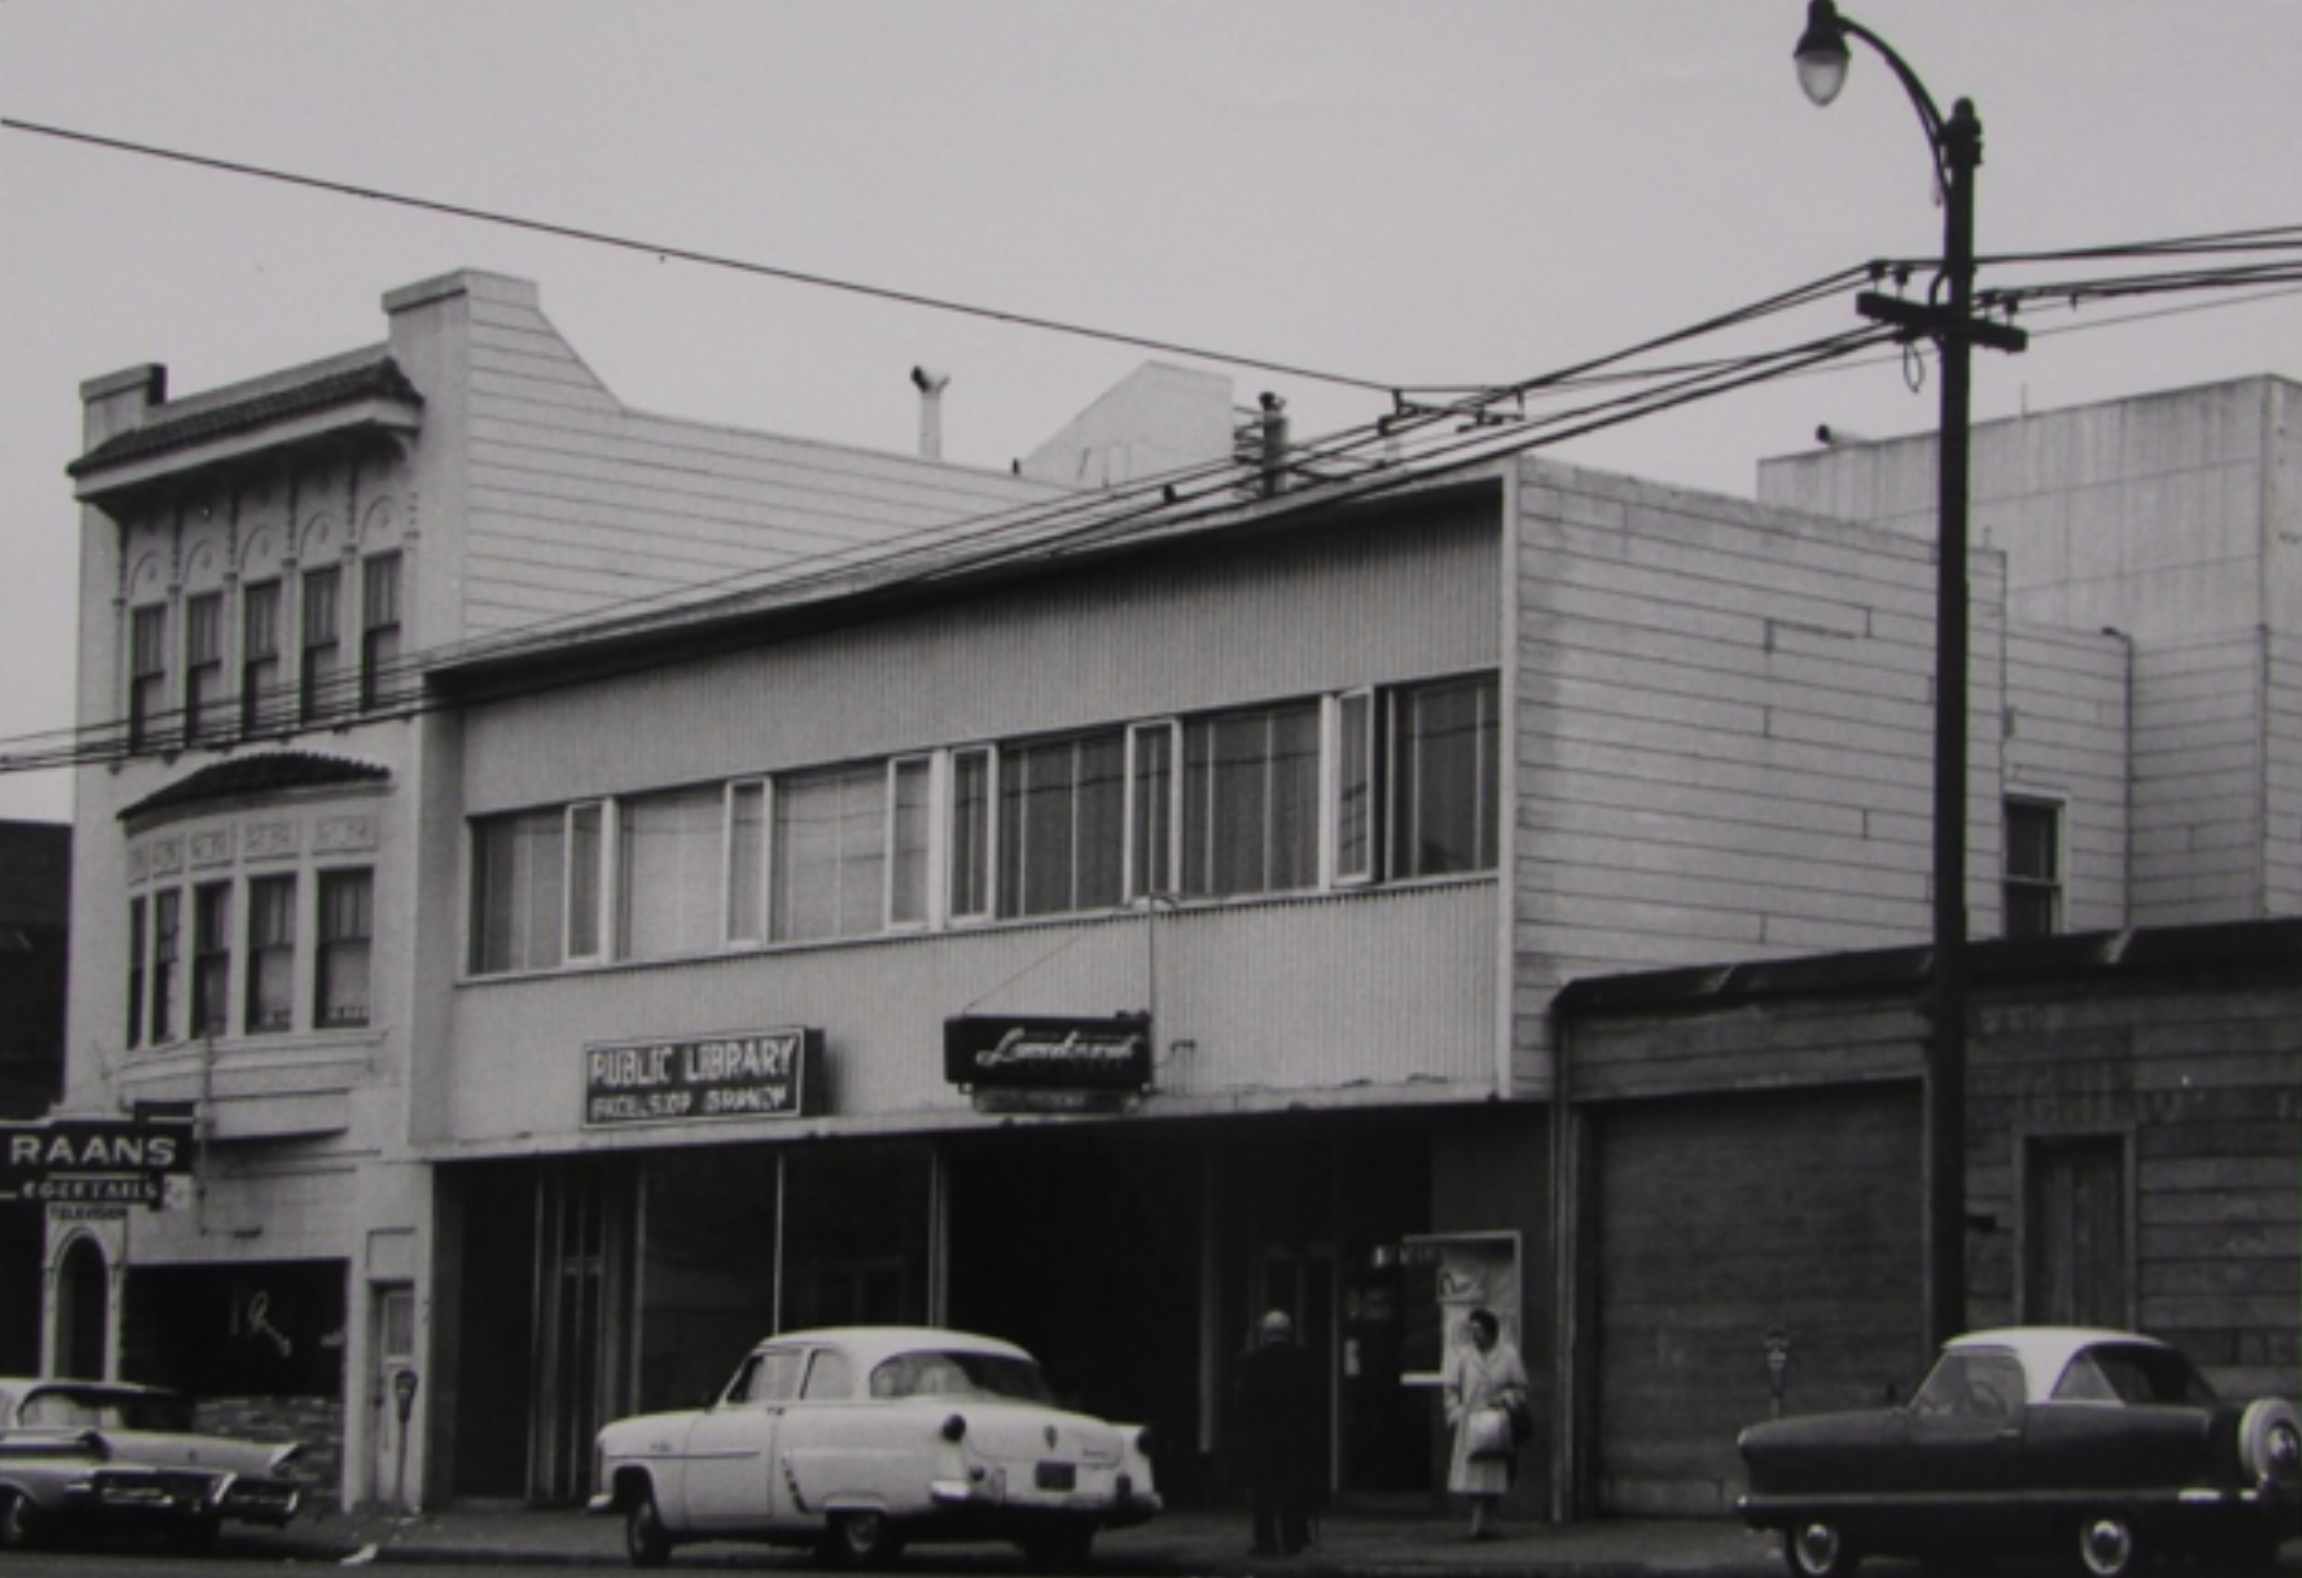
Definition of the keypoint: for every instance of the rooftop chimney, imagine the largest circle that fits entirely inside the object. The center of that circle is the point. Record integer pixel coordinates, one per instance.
(931, 384)
(1274, 444)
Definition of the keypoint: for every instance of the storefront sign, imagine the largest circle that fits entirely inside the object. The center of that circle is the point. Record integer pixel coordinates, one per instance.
(745, 1074)
(92, 1161)
(988, 1052)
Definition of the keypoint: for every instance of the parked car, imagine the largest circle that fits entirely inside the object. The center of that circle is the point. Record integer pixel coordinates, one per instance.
(2103, 1446)
(104, 1456)
(859, 1440)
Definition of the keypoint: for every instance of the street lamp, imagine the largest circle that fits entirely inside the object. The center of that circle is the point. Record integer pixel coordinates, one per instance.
(1947, 318)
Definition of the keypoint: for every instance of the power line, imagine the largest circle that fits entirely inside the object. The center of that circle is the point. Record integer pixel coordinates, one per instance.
(662, 250)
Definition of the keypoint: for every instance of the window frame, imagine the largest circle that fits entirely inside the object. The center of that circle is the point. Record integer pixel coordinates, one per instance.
(206, 710)
(320, 644)
(328, 948)
(2020, 890)
(1153, 817)
(147, 674)
(381, 610)
(261, 603)
(972, 898)
(268, 955)
(209, 1005)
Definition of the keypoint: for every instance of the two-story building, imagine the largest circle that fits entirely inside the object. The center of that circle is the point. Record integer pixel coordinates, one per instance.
(610, 886)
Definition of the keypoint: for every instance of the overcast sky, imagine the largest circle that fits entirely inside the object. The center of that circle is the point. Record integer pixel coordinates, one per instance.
(1409, 192)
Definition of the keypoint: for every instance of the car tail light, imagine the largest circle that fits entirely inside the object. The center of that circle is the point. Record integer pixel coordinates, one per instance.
(955, 1428)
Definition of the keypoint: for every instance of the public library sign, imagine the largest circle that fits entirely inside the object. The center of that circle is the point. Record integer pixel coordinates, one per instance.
(742, 1074)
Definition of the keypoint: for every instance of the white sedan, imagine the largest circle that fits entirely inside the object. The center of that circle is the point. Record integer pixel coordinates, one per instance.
(860, 1439)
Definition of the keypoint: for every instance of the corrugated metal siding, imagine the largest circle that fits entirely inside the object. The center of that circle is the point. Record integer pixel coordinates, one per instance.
(2283, 714)
(1197, 628)
(1313, 1000)
(2066, 722)
(2199, 732)
(576, 504)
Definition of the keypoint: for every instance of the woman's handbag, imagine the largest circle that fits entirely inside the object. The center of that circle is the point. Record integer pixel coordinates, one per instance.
(1488, 1433)
(1514, 1403)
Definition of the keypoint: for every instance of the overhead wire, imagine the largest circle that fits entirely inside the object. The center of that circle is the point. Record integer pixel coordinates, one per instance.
(1419, 438)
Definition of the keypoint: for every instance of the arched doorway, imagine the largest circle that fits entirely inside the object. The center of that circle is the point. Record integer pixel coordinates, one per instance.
(83, 1311)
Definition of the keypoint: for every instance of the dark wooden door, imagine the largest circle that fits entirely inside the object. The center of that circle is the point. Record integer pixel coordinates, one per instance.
(2074, 1231)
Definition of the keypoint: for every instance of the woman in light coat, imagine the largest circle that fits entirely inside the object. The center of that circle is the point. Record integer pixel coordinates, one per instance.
(1484, 1373)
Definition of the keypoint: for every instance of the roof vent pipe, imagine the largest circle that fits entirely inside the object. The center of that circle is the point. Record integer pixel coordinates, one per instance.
(1274, 444)
(931, 384)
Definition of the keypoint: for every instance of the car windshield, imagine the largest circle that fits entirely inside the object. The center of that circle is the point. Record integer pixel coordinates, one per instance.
(2131, 1373)
(90, 1409)
(959, 1374)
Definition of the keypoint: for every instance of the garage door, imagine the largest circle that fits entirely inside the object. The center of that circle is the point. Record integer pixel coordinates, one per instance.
(1718, 1219)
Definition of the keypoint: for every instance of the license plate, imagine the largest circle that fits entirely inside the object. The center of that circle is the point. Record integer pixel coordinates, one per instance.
(1058, 1476)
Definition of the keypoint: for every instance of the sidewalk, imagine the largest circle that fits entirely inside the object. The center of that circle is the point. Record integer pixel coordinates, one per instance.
(1189, 1543)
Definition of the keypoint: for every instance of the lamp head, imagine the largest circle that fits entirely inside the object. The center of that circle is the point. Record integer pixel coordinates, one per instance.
(1822, 54)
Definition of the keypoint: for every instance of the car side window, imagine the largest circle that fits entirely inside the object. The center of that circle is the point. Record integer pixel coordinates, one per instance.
(770, 1377)
(830, 1378)
(2084, 1382)
(1972, 1386)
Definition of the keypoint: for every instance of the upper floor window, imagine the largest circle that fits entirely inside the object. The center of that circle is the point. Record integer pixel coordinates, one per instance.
(321, 675)
(211, 959)
(147, 674)
(261, 693)
(1060, 842)
(519, 890)
(2033, 885)
(204, 714)
(830, 844)
(379, 627)
(1390, 783)
(668, 874)
(271, 954)
(347, 929)
(260, 982)
(1251, 801)
(167, 947)
(1444, 779)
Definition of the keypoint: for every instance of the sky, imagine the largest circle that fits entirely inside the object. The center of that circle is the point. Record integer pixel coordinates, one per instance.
(1385, 192)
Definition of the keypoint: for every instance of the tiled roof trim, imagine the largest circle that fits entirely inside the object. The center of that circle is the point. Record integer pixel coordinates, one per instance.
(269, 773)
(380, 379)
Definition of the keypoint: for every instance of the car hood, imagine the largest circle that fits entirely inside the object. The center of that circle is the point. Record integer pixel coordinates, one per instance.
(1816, 1432)
(222, 1453)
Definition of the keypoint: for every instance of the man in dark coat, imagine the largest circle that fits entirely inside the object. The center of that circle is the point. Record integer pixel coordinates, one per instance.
(1280, 1406)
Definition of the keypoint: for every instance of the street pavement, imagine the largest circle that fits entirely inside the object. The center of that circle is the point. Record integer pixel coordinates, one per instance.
(1173, 1546)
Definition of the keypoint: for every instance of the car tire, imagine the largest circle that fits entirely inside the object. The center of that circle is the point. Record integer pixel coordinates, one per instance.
(2108, 1547)
(866, 1538)
(19, 1521)
(645, 1540)
(1817, 1548)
